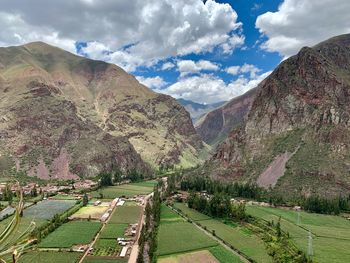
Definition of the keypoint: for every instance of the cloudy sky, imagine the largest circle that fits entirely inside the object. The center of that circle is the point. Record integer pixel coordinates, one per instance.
(205, 51)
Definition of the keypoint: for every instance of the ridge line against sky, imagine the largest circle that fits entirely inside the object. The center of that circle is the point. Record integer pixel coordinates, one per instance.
(205, 51)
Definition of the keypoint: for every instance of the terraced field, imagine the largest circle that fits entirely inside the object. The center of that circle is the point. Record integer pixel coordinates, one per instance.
(331, 234)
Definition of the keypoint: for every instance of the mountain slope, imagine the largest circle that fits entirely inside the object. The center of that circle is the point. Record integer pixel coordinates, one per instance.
(216, 125)
(57, 105)
(197, 110)
(303, 110)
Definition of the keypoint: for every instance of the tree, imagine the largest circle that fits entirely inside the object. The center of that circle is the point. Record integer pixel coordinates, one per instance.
(118, 176)
(34, 192)
(105, 179)
(278, 228)
(85, 199)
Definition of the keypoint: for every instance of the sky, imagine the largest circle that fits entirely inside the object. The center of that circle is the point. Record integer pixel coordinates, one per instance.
(204, 51)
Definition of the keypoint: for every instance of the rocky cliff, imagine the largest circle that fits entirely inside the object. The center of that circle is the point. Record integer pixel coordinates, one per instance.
(215, 126)
(65, 116)
(298, 127)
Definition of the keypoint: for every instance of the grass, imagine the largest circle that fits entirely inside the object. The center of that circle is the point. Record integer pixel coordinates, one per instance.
(331, 234)
(104, 260)
(44, 257)
(126, 215)
(71, 233)
(113, 230)
(236, 235)
(181, 237)
(168, 216)
(46, 209)
(224, 255)
(132, 189)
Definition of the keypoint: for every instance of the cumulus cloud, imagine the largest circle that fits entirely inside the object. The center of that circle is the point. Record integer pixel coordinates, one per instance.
(186, 67)
(245, 68)
(299, 23)
(152, 82)
(167, 66)
(206, 88)
(129, 33)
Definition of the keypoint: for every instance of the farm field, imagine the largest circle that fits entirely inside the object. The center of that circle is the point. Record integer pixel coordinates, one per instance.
(44, 257)
(71, 233)
(46, 209)
(113, 230)
(132, 189)
(236, 235)
(95, 212)
(104, 260)
(331, 234)
(126, 215)
(169, 216)
(202, 256)
(224, 255)
(179, 237)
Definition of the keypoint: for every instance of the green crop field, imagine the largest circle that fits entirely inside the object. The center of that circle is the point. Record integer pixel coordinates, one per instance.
(235, 235)
(194, 215)
(179, 237)
(46, 209)
(44, 257)
(111, 192)
(168, 216)
(331, 234)
(126, 215)
(224, 255)
(71, 233)
(113, 230)
(104, 260)
(95, 212)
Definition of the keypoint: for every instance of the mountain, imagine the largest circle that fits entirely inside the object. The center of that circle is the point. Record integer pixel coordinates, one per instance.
(65, 116)
(296, 138)
(215, 126)
(197, 110)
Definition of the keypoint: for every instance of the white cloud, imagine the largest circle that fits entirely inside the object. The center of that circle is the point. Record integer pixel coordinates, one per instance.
(299, 23)
(245, 68)
(207, 88)
(129, 33)
(186, 67)
(152, 82)
(168, 65)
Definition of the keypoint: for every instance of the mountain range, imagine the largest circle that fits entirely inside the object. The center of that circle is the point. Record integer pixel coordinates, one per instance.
(64, 116)
(295, 138)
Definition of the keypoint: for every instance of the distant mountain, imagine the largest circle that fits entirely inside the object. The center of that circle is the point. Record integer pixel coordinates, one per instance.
(215, 126)
(64, 116)
(197, 110)
(296, 137)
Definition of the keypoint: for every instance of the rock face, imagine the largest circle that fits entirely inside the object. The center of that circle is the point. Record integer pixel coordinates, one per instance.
(303, 107)
(63, 116)
(215, 126)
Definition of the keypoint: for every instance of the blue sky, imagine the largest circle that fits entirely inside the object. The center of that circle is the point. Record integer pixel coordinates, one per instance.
(203, 51)
(251, 53)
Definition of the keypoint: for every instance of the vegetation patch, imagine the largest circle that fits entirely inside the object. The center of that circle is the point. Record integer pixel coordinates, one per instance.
(132, 189)
(104, 260)
(44, 257)
(113, 230)
(224, 255)
(181, 237)
(126, 215)
(94, 212)
(203, 256)
(71, 233)
(331, 234)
